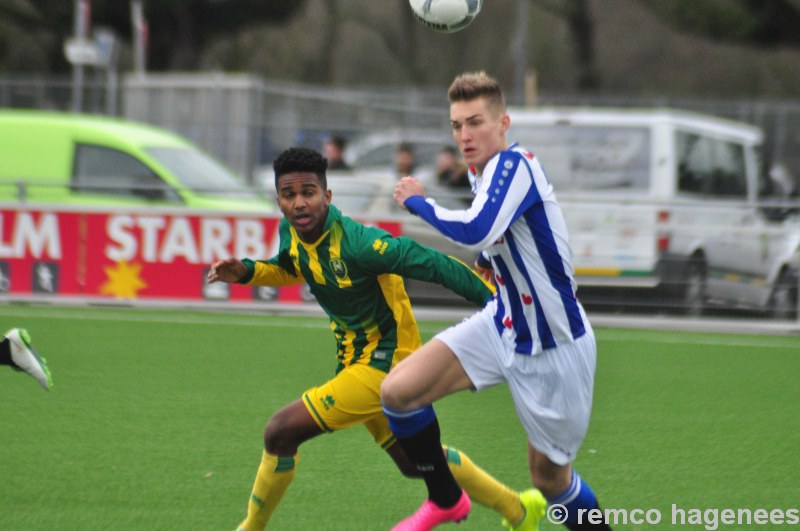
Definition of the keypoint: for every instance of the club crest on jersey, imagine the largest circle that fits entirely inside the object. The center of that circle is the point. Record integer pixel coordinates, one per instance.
(339, 268)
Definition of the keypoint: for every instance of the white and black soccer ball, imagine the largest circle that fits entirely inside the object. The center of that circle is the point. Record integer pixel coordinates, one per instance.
(446, 15)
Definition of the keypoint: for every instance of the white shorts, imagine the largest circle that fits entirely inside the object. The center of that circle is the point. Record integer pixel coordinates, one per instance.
(552, 390)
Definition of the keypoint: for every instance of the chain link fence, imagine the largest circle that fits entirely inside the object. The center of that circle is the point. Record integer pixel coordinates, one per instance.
(244, 121)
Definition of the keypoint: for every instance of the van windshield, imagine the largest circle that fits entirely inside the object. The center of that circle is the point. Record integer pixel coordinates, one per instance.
(582, 157)
(199, 172)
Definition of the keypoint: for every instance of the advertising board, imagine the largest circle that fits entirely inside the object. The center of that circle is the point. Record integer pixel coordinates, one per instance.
(134, 255)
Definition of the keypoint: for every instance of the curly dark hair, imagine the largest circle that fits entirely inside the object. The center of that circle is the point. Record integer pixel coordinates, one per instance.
(299, 159)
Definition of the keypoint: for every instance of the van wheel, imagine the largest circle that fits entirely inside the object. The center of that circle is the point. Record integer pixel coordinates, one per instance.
(783, 300)
(694, 293)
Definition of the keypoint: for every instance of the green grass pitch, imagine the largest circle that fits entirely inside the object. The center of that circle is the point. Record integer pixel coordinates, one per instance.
(156, 417)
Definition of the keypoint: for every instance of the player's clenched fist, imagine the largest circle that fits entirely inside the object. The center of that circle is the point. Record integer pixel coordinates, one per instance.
(406, 187)
(228, 270)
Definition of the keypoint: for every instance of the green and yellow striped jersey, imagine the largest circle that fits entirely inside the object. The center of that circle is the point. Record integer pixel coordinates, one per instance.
(356, 274)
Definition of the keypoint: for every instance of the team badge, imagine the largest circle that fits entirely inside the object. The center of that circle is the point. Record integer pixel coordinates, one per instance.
(339, 268)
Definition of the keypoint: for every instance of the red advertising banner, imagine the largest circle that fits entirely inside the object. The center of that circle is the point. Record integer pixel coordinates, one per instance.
(133, 255)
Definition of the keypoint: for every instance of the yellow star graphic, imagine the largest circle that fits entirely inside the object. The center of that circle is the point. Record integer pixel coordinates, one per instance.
(123, 280)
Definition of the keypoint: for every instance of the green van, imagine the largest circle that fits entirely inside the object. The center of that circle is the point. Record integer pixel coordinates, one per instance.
(71, 159)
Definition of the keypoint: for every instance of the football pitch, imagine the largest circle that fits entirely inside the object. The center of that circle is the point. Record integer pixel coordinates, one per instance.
(155, 423)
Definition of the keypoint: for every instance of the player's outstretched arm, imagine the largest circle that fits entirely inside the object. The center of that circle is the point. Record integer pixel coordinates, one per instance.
(229, 270)
(405, 257)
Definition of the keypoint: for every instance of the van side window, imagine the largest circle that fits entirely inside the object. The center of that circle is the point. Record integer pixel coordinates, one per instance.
(98, 169)
(591, 157)
(710, 167)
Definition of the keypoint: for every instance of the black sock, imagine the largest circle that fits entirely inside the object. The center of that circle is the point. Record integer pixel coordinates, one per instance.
(5, 352)
(424, 449)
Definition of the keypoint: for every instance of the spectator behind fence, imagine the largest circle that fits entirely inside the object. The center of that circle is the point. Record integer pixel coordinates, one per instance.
(334, 148)
(404, 160)
(450, 171)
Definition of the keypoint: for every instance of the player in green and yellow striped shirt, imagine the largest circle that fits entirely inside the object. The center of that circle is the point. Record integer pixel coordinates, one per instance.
(356, 274)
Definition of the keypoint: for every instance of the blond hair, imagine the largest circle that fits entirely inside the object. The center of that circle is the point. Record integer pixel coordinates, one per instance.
(473, 85)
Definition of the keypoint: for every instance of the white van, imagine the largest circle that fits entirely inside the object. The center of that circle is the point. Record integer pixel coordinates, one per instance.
(666, 200)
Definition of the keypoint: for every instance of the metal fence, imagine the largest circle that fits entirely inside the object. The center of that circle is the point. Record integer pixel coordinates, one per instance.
(245, 120)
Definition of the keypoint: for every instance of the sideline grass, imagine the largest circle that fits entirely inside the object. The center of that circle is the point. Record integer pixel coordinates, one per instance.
(155, 423)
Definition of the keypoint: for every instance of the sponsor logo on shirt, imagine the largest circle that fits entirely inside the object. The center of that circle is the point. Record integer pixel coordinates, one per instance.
(379, 246)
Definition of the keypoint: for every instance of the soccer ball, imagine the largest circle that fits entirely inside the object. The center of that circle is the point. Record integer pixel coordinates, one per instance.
(446, 15)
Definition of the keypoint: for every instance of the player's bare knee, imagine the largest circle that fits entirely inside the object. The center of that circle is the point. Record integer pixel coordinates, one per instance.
(277, 438)
(391, 396)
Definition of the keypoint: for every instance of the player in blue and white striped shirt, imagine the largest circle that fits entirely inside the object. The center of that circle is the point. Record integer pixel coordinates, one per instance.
(533, 335)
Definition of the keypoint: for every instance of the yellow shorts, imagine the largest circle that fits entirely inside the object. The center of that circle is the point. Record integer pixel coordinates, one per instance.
(351, 397)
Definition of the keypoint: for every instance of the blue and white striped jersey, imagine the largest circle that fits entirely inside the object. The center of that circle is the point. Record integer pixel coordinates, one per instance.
(517, 223)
